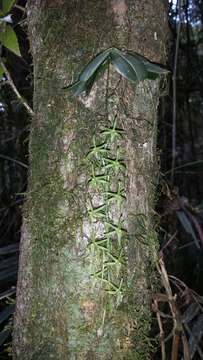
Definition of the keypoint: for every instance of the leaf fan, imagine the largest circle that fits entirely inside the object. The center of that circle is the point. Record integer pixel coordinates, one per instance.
(131, 66)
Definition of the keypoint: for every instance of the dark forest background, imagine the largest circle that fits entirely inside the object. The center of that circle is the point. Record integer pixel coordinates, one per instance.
(180, 190)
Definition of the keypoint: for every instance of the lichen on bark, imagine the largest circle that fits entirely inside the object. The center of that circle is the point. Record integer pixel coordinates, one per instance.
(62, 311)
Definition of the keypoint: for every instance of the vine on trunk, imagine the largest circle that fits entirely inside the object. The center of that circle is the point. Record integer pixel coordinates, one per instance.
(107, 181)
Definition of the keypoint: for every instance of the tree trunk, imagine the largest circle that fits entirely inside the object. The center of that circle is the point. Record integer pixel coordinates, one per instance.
(88, 245)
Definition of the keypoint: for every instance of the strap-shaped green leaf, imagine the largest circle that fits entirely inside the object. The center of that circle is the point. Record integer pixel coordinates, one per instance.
(150, 66)
(93, 65)
(80, 86)
(128, 66)
(154, 68)
(7, 5)
(101, 69)
(152, 76)
(138, 65)
(91, 82)
(77, 87)
(9, 40)
(123, 68)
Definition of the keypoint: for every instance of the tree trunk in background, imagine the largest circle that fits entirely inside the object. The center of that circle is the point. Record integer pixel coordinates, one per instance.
(88, 246)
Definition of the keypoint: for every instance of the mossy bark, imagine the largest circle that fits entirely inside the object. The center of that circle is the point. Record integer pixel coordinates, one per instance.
(62, 310)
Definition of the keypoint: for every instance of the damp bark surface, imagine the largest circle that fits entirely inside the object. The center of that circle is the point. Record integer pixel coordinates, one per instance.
(88, 247)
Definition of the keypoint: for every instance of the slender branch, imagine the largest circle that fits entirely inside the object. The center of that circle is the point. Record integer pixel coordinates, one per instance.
(11, 83)
(188, 164)
(175, 92)
(7, 293)
(178, 330)
(13, 160)
(175, 346)
(20, 7)
(186, 349)
(168, 242)
(161, 330)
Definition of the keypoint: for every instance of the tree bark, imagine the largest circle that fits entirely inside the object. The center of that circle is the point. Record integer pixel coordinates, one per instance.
(88, 243)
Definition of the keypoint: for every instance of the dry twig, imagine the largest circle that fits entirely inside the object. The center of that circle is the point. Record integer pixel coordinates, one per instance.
(178, 330)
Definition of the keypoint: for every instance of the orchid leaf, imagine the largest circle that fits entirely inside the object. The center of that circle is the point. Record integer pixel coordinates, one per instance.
(155, 69)
(76, 88)
(128, 66)
(151, 66)
(123, 68)
(93, 65)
